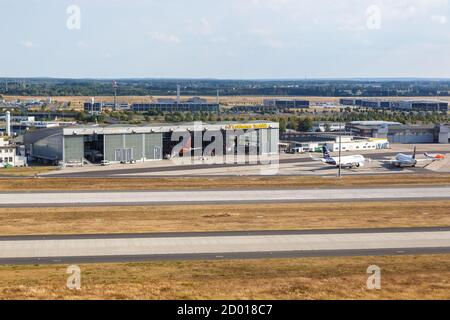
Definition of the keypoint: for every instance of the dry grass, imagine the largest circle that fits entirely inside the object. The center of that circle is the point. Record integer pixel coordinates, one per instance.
(405, 277)
(25, 172)
(223, 217)
(77, 101)
(28, 184)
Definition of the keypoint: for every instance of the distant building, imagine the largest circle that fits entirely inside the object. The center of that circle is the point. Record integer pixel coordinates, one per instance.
(294, 136)
(97, 107)
(197, 100)
(255, 109)
(407, 105)
(400, 133)
(286, 103)
(328, 127)
(413, 105)
(170, 107)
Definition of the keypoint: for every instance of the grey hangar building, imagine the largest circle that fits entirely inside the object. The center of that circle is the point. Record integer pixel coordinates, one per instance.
(124, 143)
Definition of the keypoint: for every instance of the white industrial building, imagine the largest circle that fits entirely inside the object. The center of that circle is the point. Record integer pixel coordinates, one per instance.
(8, 156)
(351, 144)
(347, 144)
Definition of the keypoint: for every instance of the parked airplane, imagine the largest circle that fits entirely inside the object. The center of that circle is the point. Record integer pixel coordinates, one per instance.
(435, 156)
(403, 160)
(350, 162)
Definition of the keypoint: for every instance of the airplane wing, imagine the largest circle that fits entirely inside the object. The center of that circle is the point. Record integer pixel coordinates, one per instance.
(425, 160)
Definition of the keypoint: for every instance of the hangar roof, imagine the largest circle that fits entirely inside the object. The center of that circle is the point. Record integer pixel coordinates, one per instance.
(34, 136)
(154, 128)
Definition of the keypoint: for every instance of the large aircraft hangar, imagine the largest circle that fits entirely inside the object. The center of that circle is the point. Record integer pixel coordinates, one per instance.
(125, 143)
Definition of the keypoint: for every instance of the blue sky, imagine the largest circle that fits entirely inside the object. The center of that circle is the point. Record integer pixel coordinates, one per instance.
(226, 39)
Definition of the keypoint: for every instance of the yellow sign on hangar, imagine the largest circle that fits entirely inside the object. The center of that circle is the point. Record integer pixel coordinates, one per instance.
(247, 126)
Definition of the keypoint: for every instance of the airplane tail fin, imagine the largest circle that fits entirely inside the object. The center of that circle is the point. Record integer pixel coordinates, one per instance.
(326, 152)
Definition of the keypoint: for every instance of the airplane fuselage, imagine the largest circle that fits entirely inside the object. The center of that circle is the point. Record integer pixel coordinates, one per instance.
(403, 160)
(347, 161)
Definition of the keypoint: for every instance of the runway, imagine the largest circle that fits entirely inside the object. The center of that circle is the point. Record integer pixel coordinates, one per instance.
(131, 198)
(233, 245)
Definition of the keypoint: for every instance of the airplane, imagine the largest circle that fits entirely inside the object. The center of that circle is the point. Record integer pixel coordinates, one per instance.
(435, 156)
(350, 162)
(403, 160)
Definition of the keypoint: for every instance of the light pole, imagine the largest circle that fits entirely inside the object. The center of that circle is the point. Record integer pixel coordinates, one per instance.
(115, 94)
(340, 152)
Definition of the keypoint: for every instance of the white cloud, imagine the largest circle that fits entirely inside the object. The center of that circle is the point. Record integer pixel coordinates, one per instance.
(219, 40)
(27, 44)
(200, 27)
(274, 43)
(81, 44)
(205, 27)
(164, 37)
(439, 19)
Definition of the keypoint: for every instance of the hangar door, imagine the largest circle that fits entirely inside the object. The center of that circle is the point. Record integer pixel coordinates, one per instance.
(123, 155)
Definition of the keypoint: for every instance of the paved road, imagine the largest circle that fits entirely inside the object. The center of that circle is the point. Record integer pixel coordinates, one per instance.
(127, 198)
(110, 248)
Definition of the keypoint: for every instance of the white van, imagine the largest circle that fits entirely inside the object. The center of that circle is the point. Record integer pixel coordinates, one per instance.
(105, 163)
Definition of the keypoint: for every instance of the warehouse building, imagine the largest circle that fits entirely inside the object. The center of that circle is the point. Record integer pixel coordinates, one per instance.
(400, 133)
(93, 108)
(286, 104)
(413, 105)
(169, 107)
(145, 143)
(404, 105)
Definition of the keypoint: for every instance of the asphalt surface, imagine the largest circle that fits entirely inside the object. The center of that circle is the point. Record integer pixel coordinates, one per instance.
(135, 198)
(132, 172)
(222, 245)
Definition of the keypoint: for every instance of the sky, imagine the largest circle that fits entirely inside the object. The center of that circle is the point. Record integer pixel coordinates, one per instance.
(225, 39)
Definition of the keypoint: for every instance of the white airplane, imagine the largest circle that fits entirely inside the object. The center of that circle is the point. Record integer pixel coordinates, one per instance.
(350, 162)
(404, 160)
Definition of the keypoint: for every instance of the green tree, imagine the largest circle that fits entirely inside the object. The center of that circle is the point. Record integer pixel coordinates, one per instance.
(305, 125)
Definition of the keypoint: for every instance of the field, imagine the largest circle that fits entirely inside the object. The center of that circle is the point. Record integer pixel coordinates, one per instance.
(402, 277)
(25, 172)
(78, 101)
(29, 184)
(291, 216)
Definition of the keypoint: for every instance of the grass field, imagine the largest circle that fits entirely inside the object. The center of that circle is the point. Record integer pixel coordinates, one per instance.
(402, 277)
(77, 101)
(223, 217)
(28, 184)
(25, 172)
